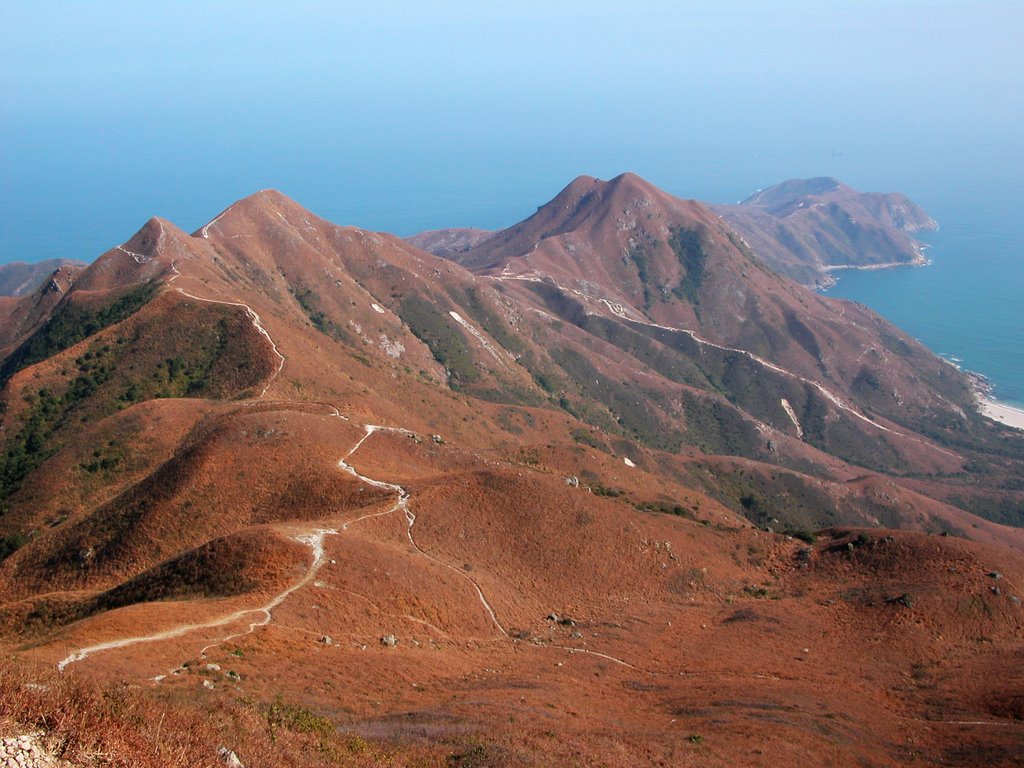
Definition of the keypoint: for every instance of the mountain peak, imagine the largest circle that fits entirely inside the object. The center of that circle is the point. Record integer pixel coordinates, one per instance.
(632, 180)
(260, 206)
(791, 191)
(606, 210)
(806, 227)
(627, 182)
(266, 197)
(19, 278)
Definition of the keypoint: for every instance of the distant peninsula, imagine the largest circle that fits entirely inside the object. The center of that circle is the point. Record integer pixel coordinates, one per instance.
(804, 229)
(807, 228)
(19, 278)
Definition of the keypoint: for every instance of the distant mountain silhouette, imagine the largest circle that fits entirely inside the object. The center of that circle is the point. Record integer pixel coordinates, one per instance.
(805, 228)
(603, 472)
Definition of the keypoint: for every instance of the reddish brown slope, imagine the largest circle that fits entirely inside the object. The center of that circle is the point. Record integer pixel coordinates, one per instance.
(447, 242)
(19, 279)
(762, 649)
(21, 315)
(805, 228)
(623, 251)
(680, 634)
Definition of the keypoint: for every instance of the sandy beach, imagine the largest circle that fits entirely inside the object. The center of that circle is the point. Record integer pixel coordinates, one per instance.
(1007, 414)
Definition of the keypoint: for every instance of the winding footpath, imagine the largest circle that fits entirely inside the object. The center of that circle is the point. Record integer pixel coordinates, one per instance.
(205, 232)
(314, 539)
(410, 518)
(619, 311)
(257, 324)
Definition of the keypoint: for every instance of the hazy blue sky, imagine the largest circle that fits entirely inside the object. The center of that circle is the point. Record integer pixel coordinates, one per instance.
(403, 116)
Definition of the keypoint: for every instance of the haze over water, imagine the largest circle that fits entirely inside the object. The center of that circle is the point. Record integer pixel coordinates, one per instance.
(398, 117)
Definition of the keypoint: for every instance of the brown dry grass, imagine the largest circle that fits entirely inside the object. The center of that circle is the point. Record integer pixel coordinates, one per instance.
(88, 724)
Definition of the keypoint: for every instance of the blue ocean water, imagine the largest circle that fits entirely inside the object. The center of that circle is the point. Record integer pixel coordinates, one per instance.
(76, 190)
(968, 304)
(404, 116)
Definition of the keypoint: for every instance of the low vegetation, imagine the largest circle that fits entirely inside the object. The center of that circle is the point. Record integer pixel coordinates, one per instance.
(447, 344)
(688, 248)
(635, 409)
(87, 724)
(70, 324)
(783, 501)
(198, 351)
(309, 301)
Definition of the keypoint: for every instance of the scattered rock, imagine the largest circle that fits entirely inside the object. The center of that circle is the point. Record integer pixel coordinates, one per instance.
(905, 600)
(565, 621)
(389, 641)
(572, 482)
(25, 751)
(229, 758)
(213, 667)
(437, 439)
(576, 635)
(995, 575)
(86, 556)
(804, 554)
(208, 684)
(552, 617)
(326, 640)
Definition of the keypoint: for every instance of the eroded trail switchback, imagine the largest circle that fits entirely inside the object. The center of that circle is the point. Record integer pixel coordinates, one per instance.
(314, 539)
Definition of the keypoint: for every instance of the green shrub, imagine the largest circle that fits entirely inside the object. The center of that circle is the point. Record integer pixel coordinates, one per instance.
(686, 244)
(10, 544)
(310, 305)
(70, 324)
(446, 344)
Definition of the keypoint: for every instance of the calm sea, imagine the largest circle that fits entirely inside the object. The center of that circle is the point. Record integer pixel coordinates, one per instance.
(968, 304)
(75, 192)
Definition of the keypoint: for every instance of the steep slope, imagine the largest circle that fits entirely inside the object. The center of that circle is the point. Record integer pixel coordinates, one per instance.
(666, 282)
(806, 228)
(321, 477)
(19, 316)
(19, 278)
(445, 242)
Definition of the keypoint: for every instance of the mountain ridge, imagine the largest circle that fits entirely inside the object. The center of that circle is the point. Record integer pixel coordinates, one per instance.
(18, 278)
(808, 228)
(424, 461)
(784, 225)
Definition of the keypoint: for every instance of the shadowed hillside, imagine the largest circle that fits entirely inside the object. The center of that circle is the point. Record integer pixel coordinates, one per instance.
(807, 228)
(597, 489)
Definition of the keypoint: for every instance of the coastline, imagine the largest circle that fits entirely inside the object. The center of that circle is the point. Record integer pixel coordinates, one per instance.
(1001, 412)
(985, 401)
(988, 406)
(920, 260)
(826, 280)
